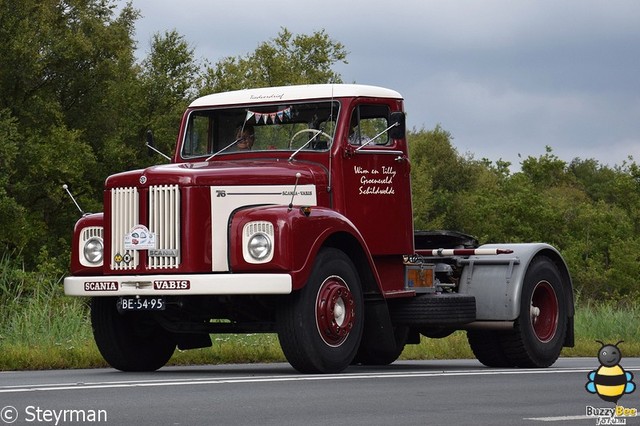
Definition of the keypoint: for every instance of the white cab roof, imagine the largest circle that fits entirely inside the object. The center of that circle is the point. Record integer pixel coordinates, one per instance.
(292, 93)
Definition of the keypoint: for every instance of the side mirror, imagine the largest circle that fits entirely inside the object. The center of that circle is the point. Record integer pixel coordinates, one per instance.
(150, 142)
(397, 120)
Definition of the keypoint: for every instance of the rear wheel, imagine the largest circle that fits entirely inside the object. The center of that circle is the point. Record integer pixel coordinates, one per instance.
(320, 326)
(129, 342)
(540, 329)
(487, 348)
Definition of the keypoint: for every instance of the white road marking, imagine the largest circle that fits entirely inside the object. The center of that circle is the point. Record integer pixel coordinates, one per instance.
(557, 419)
(46, 387)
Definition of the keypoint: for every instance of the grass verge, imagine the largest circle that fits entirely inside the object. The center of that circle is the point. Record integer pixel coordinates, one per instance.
(40, 328)
(54, 332)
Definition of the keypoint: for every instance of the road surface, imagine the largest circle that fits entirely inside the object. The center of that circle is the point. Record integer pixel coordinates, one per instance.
(449, 392)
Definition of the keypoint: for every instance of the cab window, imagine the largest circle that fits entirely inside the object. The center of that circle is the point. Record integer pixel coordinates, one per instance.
(368, 126)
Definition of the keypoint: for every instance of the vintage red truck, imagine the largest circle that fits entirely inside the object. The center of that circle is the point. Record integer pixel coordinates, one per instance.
(308, 234)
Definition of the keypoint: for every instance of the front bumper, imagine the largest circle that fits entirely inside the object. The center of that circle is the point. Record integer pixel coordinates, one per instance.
(185, 285)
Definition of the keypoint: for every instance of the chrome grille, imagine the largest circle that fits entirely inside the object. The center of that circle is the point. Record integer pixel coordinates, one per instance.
(164, 222)
(125, 211)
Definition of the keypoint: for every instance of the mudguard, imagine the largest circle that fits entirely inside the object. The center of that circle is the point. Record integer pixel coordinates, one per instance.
(496, 281)
(93, 223)
(300, 234)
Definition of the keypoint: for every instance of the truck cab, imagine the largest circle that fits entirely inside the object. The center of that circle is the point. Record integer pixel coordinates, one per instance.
(288, 210)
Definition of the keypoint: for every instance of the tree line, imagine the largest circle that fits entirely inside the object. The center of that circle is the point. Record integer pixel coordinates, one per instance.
(75, 103)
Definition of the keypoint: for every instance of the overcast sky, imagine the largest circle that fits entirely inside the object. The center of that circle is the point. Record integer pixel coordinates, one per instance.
(505, 77)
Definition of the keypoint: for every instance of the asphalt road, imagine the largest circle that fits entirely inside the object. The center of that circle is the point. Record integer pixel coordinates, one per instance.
(454, 392)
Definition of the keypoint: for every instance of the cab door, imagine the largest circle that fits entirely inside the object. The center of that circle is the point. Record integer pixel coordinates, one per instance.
(376, 182)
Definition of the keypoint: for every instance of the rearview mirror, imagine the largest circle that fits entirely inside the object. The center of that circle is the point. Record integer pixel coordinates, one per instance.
(397, 120)
(150, 142)
(151, 145)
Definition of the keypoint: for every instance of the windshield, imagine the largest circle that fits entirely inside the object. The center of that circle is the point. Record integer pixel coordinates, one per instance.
(291, 127)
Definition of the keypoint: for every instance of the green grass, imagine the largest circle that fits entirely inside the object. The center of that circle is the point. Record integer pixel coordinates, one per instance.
(56, 334)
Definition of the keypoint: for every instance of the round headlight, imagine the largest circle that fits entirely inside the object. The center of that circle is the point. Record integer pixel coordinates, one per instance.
(93, 250)
(259, 246)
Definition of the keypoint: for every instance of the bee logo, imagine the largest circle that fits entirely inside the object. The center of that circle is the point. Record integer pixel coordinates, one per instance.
(610, 381)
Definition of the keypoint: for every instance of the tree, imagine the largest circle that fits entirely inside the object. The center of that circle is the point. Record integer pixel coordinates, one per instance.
(439, 175)
(12, 215)
(284, 60)
(170, 77)
(62, 61)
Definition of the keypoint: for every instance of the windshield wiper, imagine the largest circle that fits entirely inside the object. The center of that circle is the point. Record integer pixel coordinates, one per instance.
(218, 152)
(305, 144)
(372, 140)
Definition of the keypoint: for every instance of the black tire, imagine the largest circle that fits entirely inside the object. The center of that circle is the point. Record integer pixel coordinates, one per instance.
(320, 325)
(540, 330)
(129, 342)
(439, 310)
(487, 348)
(372, 354)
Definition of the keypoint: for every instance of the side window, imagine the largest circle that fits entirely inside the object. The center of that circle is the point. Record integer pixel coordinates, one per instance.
(368, 125)
(198, 136)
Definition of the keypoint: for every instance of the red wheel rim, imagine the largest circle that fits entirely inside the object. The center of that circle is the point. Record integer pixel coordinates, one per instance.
(544, 311)
(334, 311)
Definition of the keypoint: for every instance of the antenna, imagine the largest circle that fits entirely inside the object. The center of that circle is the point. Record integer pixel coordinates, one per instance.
(330, 151)
(295, 186)
(66, 188)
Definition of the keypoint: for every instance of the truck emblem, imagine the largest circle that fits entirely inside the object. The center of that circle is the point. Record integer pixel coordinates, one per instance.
(172, 284)
(143, 180)
(100, 286)
(139, 238)
(163, 252)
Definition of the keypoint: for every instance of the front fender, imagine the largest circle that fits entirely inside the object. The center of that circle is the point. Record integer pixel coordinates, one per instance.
(87, 226)
(497, 281)
(299, 233)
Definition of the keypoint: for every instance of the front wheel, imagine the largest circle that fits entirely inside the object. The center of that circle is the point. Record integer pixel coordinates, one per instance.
(129, 342)
(320, 326)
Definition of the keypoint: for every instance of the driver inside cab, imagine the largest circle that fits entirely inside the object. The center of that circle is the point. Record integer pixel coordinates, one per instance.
(245, 137)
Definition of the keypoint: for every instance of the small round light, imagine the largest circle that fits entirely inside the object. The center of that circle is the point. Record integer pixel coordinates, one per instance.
(259, 246)
(93, 250)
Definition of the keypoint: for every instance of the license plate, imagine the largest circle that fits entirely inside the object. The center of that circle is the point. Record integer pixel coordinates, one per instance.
(142, 304)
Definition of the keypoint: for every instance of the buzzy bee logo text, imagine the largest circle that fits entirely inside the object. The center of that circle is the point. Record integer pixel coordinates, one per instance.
(610, 382)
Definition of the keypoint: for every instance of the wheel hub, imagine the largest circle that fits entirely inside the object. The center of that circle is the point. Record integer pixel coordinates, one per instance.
(544, 311)
(334, 311)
